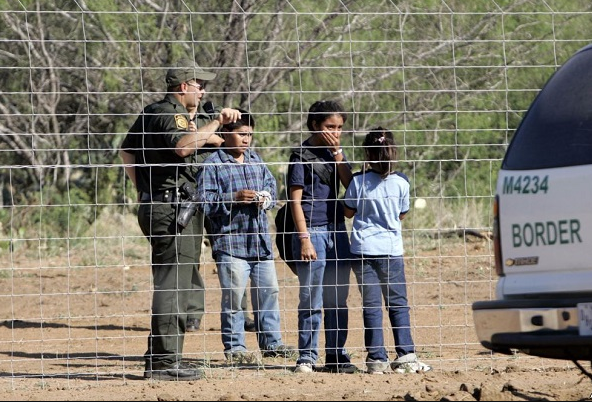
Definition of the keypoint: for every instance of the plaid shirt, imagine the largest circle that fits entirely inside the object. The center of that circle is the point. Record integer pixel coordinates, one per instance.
(237, 229)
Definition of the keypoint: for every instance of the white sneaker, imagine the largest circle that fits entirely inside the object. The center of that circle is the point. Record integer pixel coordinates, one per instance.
(304, 368)
(376, 366)
(409, 364)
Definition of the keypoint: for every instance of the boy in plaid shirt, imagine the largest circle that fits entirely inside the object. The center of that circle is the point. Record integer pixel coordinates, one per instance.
(235, 189)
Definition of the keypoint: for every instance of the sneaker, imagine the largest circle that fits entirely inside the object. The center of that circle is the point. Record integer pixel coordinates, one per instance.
(305, 368)
(280, 351)
(376, 366)
(173, 372)
(409, 364)
(241, 357)
(249, 324)
(192, 324)
(345, 368)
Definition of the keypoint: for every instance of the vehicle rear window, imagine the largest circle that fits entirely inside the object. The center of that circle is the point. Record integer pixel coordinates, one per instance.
(557, 129)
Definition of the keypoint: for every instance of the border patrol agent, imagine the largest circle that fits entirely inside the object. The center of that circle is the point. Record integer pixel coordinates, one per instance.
(161, 152)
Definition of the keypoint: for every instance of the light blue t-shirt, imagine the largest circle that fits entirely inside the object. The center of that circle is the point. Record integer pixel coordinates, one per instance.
(378, 203)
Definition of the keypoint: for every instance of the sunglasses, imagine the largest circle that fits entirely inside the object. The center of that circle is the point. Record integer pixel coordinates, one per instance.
(200, 87)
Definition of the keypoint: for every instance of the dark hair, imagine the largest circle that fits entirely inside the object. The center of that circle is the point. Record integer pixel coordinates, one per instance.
(381, 150)
(322, 110)
(246, 120)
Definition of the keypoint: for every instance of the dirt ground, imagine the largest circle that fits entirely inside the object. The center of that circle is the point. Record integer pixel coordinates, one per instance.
(74, 325)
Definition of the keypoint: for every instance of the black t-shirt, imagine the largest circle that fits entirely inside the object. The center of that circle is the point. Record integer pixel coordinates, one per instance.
(319, 199)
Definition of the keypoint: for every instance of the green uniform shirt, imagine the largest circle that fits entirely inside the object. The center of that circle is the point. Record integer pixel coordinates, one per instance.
(153, 138)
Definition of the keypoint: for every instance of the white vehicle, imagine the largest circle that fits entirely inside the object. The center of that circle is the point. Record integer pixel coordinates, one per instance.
(543, 226)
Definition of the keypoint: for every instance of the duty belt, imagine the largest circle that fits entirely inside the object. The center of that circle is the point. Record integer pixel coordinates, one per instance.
(161, 196)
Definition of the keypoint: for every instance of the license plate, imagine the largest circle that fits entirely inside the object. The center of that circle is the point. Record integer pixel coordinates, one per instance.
(585, 318)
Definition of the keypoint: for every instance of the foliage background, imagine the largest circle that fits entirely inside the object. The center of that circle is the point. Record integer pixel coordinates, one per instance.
(451, 79)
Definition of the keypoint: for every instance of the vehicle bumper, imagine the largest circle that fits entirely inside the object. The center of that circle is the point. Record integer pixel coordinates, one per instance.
(546, 328)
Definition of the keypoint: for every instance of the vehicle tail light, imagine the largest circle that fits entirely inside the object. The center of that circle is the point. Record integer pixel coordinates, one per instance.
(497, 241)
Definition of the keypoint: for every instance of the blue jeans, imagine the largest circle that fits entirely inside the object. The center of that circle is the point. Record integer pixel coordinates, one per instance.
(380, 277)
(233, 274)
(324, 285)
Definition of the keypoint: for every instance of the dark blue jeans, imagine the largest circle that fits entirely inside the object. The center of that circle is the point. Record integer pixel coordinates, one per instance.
(378, 277)
(324, 286)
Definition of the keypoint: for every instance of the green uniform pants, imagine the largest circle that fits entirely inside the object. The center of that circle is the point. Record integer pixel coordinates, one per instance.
(178, 285)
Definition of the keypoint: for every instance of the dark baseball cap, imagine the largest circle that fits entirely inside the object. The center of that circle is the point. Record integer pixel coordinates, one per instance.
(186, 70)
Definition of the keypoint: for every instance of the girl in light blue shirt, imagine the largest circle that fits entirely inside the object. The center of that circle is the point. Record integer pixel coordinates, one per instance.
(378, 199)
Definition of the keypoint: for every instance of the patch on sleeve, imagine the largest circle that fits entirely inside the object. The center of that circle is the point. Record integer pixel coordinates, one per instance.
(181, 121)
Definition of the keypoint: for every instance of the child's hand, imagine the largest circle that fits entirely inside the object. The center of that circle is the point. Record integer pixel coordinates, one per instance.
(264, 199)
(245, 196)
(308, 252)
(331, 140)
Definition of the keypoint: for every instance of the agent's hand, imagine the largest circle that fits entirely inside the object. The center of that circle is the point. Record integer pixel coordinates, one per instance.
(192, 128)
(228, 115)
(245, 196)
